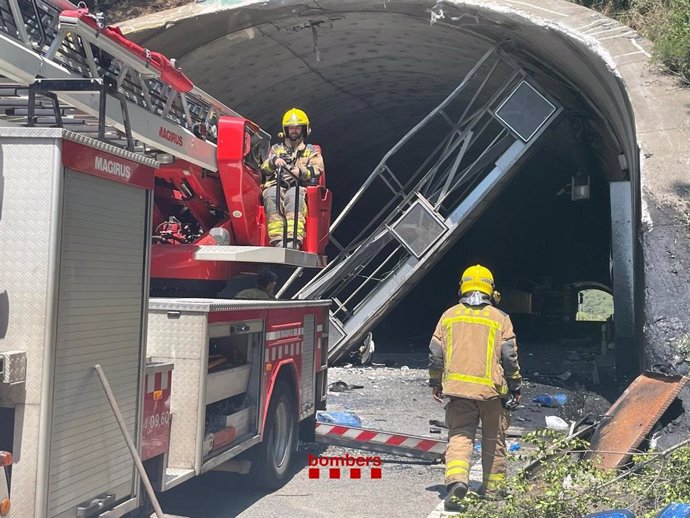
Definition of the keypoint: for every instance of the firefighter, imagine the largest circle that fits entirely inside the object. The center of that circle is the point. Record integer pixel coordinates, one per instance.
(300, 163)
(265, 287)
(473, 361)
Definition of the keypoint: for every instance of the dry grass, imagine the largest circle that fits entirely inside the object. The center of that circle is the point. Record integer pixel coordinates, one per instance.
(120, 10)
(665, 22)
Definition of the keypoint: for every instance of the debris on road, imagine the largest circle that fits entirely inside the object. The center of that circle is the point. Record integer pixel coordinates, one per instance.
(675, 510)
(339, 418)
(632, 417)
(341, 386)
(553, 422)
(551, 400)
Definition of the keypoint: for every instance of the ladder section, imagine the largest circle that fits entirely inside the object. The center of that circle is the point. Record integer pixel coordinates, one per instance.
(165, 110)
(426, 191)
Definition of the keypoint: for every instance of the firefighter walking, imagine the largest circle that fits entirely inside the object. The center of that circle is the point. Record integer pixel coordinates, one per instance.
(474, 361)
(302, 163)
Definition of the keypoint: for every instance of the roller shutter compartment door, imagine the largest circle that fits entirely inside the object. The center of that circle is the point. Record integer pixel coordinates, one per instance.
(99, 321)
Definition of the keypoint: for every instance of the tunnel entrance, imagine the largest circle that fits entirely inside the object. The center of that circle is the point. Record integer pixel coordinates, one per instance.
(368, 73)
(546, 248)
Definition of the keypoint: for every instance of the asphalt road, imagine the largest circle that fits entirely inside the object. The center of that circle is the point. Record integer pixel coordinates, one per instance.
(396, 399)
(393, 399)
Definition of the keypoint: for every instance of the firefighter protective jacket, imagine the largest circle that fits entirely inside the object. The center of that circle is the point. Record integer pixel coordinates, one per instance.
(306, 157)
(473, 353)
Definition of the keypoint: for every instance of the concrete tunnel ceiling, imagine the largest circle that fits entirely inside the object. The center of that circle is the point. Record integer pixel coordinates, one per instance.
(367, 71)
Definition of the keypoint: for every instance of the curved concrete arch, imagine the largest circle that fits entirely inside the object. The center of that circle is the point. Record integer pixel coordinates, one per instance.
(369, 70)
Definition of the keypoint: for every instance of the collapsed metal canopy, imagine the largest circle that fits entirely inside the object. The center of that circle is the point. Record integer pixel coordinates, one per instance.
(426, 191)
(368, 72)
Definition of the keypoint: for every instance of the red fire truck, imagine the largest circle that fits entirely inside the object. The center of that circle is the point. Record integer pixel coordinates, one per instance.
(120, 180)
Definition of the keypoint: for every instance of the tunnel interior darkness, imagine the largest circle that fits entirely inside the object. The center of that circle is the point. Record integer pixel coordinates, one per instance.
(366, 75)
(532, 233)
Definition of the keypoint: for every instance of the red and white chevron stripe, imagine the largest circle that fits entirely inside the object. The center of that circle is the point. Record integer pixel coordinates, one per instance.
(376, 440)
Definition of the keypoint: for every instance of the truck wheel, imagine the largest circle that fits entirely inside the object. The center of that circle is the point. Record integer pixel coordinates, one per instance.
(277, 450)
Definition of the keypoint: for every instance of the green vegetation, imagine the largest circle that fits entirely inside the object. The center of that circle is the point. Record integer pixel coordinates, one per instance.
(665, 22)
(569, 487)
(121, 10)
(596, 306)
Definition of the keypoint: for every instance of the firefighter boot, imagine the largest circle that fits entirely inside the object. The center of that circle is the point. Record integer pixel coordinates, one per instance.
(453, 500)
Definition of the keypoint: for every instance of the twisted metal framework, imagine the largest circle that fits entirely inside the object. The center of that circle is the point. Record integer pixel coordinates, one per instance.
(425, 192)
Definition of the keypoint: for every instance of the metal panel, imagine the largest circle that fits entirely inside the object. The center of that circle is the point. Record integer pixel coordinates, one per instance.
(525, 111)
(623, 243)
(101, 277)
(27, 169)
(259, 254)
(37, 132)
(632, 417)
(419, 228)
(183, 341)
(210, 305)
(13, 367)
(307, 381)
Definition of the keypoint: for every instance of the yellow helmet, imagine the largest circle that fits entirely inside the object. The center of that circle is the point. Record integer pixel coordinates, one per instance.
(477, 278)
(295, 117)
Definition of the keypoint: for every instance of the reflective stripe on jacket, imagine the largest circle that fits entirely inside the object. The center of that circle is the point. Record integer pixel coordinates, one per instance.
(474, 353)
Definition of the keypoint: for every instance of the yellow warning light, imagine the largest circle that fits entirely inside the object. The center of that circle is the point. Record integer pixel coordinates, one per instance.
(157, 395)
(269, 366)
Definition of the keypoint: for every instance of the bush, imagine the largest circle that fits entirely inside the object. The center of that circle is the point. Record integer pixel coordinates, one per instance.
(665, 22)
(672, 39)
(568, 487)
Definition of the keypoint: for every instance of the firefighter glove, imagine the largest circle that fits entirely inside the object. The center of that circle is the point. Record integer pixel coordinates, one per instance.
(514, 401)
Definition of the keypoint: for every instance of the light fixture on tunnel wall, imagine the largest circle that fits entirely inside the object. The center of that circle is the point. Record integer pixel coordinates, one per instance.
(580, 187)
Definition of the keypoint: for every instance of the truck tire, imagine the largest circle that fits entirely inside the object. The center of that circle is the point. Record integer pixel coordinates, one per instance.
(276, 452)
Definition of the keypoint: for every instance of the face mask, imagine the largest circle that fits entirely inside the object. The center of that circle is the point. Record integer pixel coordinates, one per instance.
(475, 298)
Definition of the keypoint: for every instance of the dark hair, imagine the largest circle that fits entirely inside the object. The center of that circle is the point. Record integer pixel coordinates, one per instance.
(265, 277)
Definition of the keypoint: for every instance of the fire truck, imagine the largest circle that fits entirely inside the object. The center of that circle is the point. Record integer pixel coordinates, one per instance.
(130, 212)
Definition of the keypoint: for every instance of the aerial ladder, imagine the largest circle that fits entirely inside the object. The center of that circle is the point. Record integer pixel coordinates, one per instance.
(62, 66)
(165, 111)
(425, 193)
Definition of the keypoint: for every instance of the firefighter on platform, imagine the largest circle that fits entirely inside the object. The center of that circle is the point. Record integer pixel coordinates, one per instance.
(473, 361)
(298, 164)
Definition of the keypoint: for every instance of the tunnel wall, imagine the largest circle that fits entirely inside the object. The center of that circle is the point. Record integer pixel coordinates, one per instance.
(602, 60)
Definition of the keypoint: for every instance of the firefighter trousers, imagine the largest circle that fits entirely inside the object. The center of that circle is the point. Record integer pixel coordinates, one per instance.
(288, 201)
(462, 417)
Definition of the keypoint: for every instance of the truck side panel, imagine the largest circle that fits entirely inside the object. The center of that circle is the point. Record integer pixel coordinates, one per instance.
(28, 167)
